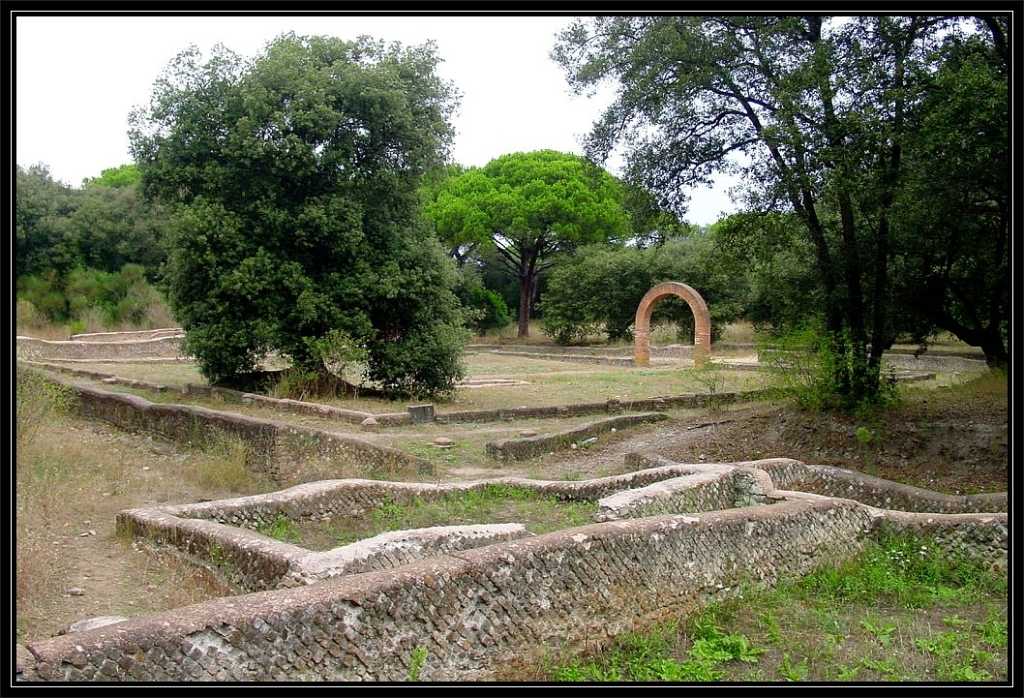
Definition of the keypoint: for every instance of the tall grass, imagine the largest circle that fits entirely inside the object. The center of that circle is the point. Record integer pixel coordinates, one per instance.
(42, 488)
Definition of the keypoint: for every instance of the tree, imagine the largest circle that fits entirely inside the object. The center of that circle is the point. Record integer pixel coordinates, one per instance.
(113, 225)
(529, 207)
(295, 178)
(812, 110)
(952, 223)
(650, 222)
(42, 206)
(115, 177)
(769, 254)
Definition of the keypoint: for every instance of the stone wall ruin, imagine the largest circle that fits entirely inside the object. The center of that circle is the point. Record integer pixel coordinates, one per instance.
(474, 610)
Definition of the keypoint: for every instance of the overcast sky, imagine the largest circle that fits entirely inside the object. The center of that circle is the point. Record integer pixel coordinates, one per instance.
(78, 78)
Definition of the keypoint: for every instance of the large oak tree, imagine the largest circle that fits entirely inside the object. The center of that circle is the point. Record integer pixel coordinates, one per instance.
(295, 178)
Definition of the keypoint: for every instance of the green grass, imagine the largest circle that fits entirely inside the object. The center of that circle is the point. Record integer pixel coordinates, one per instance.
(494, 503)
(894, 613)
(906, 571)
(281, 528)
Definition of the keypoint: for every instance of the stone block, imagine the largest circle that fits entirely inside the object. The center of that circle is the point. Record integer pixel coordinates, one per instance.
(421, 414)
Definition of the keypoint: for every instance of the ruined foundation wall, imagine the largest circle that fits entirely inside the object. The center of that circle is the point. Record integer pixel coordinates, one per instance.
(130, 335)
(533, 446)
(472, 610)
(476, 610)
(276, 448)
(42, 349)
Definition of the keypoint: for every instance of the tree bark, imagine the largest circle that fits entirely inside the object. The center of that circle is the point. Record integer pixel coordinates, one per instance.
(525, 295)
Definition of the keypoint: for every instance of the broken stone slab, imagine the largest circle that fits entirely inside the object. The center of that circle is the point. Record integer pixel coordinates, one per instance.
(369, 424)
(23, 659)
(443, 442)
(91, 624)
(421, 414)
(395, 548)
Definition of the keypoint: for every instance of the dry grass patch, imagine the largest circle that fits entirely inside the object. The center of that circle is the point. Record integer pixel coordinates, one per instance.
(72, 477)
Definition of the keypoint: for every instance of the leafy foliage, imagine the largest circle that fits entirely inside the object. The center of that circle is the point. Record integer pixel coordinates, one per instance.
(42, 206)
(952, 222)
(109, 299)
(294, 177)
(103, 226)
(118, 177)
(770, 253)
(485, 310)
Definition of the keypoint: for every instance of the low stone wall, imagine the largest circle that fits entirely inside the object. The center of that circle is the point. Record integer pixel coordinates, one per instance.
(276, 448)
(886, 494)
(44, 349)
(479, 609)
(625, 352)
(903, 360)
(577, 358)
(310, 408)
(394, 419)
(326, 498)
(219, 533)
(533, 446)
(127, 336)
(710, 488)
(935, 362)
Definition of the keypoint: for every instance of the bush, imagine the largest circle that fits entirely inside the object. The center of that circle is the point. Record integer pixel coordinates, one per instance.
(804, 365)
(27, 316)
(93, 300)
(45, 293)
(484, 309)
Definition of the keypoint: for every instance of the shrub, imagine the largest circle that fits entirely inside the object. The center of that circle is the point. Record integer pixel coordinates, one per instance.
(27, 316)
(804, 365)
(484, 309)
(94, 300)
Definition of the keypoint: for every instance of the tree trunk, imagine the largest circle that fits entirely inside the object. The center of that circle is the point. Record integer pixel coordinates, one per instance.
(996, 355)
(525, 295)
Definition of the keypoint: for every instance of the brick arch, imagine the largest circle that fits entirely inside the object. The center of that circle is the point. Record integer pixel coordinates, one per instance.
(701, 322)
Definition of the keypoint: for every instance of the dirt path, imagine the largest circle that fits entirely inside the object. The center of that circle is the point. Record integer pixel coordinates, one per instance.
(73, 558)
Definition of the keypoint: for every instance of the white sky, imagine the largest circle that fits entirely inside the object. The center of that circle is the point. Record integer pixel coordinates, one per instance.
(79, 77)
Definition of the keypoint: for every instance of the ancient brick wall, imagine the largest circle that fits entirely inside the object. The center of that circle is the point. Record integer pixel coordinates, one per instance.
(276, 448)
(532, 446)
(43, 349)
(128, 336)
(475, 610)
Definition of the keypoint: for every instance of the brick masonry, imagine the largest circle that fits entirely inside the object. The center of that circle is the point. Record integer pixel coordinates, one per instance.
(131, 335)
(276, 448)
(397, 419)
(44, 349)
(701, 321)
(473, 610)
(478, 609)
(533, 446)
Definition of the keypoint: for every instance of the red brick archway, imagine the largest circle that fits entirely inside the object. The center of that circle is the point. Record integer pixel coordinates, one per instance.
(701, 322)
